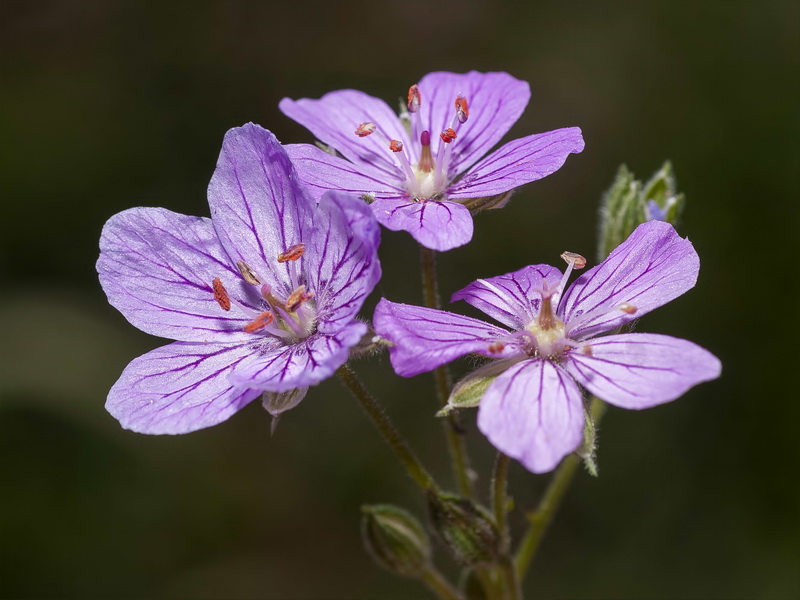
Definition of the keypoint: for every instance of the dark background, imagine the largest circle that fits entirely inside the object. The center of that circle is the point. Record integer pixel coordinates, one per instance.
(109, 105)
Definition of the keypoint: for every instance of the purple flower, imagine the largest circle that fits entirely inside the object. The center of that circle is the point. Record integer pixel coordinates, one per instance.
(262, 298)
(420, 175)
(533, 410)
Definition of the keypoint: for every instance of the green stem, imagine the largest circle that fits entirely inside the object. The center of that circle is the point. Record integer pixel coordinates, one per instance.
(455, 442)
(387, 430)
(540, 518)
(439, 585)
(500, 507)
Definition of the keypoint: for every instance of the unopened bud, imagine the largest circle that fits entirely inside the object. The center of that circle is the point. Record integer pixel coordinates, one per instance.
(467, 529)
(395, 539)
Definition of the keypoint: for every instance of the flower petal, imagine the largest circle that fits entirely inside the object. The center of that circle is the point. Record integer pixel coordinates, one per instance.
(496, 101)
(534, 413)
(321, 172)
(179, 388)
(640, 370)
(438, 225)
(342, 258)
(258, 207)
(333, 120)
(157, 268)
(518, 162)
(513, 298)
(653, 266)
(305, 363)
(425, 338)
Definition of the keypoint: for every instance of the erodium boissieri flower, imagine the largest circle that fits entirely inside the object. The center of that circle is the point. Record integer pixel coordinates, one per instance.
(533, 411)
(421, 175)
(260, 298)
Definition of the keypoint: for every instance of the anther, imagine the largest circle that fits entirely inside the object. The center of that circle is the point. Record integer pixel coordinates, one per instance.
(627, 308)
(587, 350)
(414, 98)
(261, 321)
(448, 135)
(462, 110)
(577, 261)
(292, 253)
(396, 146)
(247, 273)
(496, 347)
(221, 294)
(297, 297)
(364, 129)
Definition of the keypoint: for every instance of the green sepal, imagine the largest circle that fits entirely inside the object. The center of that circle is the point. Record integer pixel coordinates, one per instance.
(325, 148)
(395, 539)
(468, 392)
(464, 527)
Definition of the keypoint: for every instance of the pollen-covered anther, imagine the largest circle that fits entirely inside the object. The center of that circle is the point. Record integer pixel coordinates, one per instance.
(261, 321)
(396, 146)
(577, 261)
(587, 350)
(247, 273)
(292, 253)
(627, 308)
(462, 109)
(364, 129)
(297, 297)
(414, 98)
(221, 294)
(448, 135)
(496, 347)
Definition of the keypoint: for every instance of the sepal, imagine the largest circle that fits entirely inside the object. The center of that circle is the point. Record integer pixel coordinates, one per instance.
(466, 528)
(395, 539)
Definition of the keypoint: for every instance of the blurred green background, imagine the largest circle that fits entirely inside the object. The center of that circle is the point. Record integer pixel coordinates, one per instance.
(108, 105)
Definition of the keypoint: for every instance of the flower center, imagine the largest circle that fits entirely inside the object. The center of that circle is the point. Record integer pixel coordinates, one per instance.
(429, 177)
(290, 320)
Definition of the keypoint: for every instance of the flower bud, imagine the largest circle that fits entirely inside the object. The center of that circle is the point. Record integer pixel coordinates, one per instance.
(467, 529)
(661, 197)
(395, 539)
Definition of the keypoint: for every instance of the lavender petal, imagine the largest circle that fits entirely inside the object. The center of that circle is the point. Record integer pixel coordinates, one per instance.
(341, 259)
(157, 268)
(302, 364)
(518, 162)
(513, 298)
(534, 413)
(640, 370)
(653, 266)
(495, 100)
(179, 388)
(258, 207)
(424, 338)
(438, 225)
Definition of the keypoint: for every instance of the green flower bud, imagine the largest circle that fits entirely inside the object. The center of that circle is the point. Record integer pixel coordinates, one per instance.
(661, 198)
(468, 392)
(395, 539)
(467, 529)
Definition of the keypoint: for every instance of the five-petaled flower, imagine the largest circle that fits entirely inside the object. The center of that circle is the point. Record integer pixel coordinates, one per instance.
(421, 175)
(533, 411)
(262, 298)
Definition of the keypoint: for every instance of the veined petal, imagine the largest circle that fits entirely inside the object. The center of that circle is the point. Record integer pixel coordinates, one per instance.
(438, 225)
(321, 172)
(513, 298)
(179, 388)
(157, 268)
(333, 120)
(496, 101)
(653, 266)
(640, 370)
(534, 413)
(518, 162)
(425, 338)
(303, 364)
(258, 206)
(342, 258)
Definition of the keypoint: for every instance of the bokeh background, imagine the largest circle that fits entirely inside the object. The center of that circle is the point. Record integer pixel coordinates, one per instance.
(108, 105)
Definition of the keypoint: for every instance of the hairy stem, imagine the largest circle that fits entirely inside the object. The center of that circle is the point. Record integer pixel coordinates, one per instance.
(439, 585)
(387, 430)
(455, 442)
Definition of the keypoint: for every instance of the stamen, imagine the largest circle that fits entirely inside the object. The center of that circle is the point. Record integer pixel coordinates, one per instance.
(587, 350)
(247, 273)
(221, 294)
(426, 163)
(448, 135)
(396, 146)
(414, 98)
(260, 322)
(628, 308)
(292, 253)
(364, 129)
(496, 347)
(462, 110)
(625, 307)
(574, 261)
(297, 297)
(443, 156)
